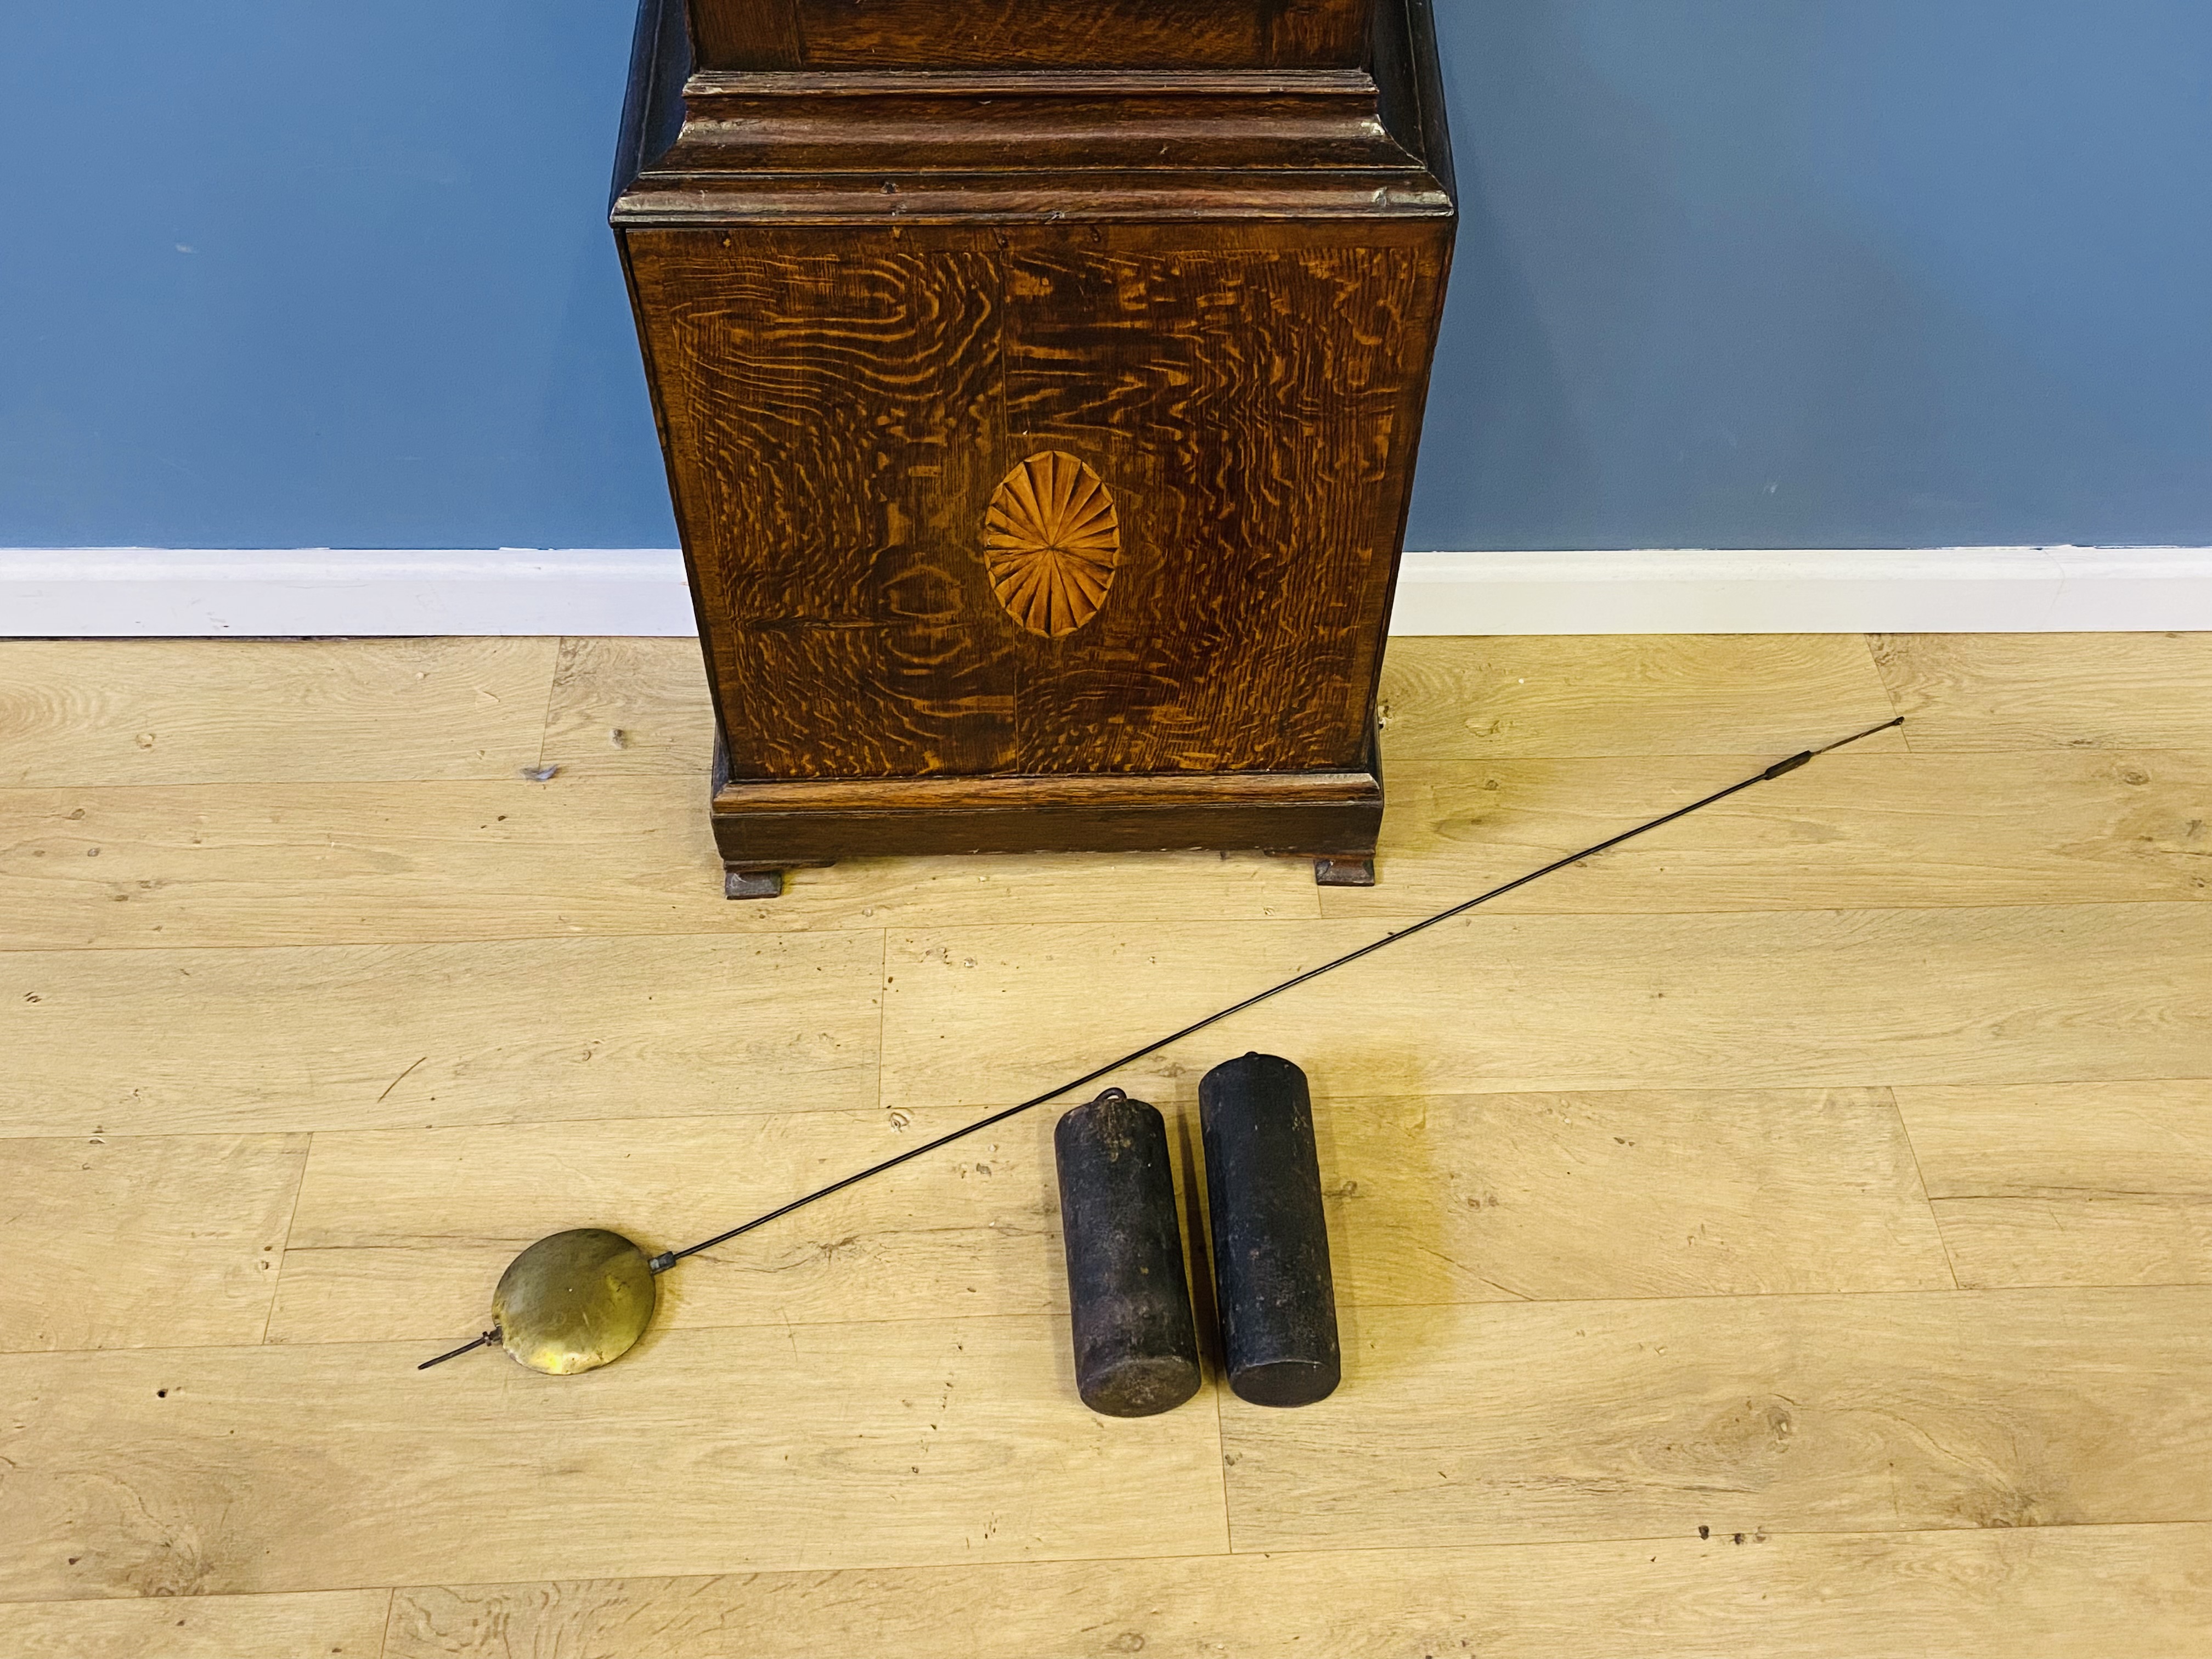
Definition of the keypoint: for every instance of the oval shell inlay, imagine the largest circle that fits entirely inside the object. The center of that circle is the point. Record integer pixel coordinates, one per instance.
(1052, 541)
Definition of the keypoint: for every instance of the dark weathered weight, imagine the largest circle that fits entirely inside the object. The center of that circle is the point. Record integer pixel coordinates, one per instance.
(1270, 1238)
(1136, 1343)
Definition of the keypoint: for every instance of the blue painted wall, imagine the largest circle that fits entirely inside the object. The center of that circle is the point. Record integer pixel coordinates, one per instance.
(1733, 272)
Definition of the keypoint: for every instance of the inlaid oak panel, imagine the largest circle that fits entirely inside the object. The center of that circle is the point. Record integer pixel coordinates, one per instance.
(1051, 540)
(850, 423)
(1255, 410)
(831, 409)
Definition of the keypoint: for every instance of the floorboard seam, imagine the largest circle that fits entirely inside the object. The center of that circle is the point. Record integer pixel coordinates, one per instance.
(1920, 1180)
(284, 1250)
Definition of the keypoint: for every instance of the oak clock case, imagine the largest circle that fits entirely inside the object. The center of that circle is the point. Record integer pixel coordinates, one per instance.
(1040, 383)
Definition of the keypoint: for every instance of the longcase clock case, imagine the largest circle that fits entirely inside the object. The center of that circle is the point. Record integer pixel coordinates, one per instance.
(1039, 382)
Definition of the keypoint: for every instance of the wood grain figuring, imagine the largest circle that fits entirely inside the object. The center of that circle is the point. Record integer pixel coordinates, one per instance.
(326, 1623)
(1288, 812)
(705, 1451)
(402, 1234)
(1476, 1198)
(1972, 693)
(1569, 696)
(1508, 1003)
(376, 863)
(1531, 1423)
(2051, 1594)
(378, 1036)
(75, 712)
(1028, 34)
(1266, 494)
(1263, 501)
(168, 1242)
(1857, 830)
(2086, 1183)
(832, 417)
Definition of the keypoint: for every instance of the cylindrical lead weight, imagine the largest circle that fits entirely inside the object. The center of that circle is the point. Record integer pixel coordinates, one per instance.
(1136, 1343)
(1270, 1238)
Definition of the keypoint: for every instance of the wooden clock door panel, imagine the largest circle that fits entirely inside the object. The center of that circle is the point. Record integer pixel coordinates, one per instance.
(843, 416)
(1248, 403)
(832, 421)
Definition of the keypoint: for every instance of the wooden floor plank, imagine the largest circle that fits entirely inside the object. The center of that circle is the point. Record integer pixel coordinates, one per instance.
(319, 1625)
(1473, 1198)
(78, 712)
(1593, 694)
(402, 1233)
(2162, 1238)
(321, 864)
(2039, 1593)
(2085, 1183)
(1505, 1003)
(1624, 1176)
(623, 707)
(127, 1242)
(1532, 1422)
(281, 1468)
(1849, 830)
(1618, 695)
(373, 1036)
(1970, 693)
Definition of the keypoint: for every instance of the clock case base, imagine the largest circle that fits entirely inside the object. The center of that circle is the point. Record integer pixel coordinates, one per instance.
(748, 135)
(764, 828)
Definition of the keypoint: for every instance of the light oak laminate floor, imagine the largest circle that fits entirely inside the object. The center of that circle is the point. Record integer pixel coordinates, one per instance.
(1790, 1235)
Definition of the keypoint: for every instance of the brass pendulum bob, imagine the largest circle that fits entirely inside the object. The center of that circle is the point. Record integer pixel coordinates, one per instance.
(570, 1302)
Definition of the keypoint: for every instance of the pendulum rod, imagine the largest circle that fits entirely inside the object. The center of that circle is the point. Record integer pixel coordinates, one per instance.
(661, 1263)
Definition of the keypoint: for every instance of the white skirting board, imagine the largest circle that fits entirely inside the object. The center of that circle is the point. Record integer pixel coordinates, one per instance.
(141, 592)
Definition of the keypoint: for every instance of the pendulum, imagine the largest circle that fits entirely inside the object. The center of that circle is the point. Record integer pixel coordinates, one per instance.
(573, 1300)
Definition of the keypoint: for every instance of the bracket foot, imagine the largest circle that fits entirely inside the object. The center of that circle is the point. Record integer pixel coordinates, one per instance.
(1354, 871)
